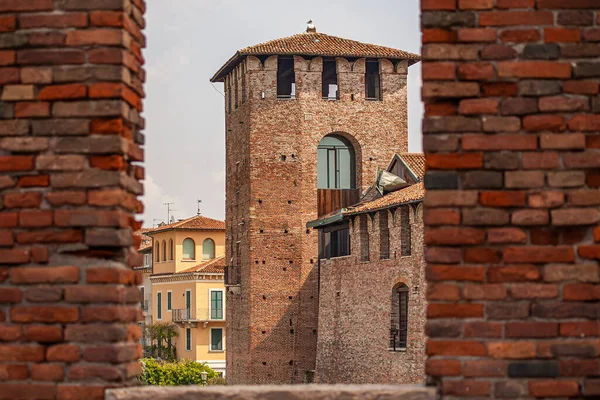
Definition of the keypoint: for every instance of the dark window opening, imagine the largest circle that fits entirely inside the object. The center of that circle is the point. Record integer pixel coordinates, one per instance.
(335, 163)
(399, 326)
(228, 93)
(235, 87)
(372, 80)
(384, 236)
(286, 79)
(405, 231)
(330, 83)
(364, 237)
(334, 242)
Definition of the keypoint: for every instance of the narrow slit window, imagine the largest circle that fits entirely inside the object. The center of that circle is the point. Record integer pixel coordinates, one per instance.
(372, 80)
(384, 236)
(364, 238)
(243, 82)
(164, 251)
(235, 87)
(188, 339)
(330, 82)
(399, 328)
(286, 79)
(228, 93)
(405, 231)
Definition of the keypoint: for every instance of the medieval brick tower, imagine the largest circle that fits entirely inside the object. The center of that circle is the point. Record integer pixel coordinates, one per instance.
(309, 119)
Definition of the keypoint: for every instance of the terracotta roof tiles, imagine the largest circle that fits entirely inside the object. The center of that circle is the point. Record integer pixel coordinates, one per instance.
(412, 193)
(197, 222)
(416, 162)
(215, 266)
(315, 44)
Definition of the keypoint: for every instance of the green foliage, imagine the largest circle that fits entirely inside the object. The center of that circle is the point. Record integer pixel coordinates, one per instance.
(159, 334)
(217, 380)
(176, 373)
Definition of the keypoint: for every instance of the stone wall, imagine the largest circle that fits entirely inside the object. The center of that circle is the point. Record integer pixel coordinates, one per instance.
(355, 307)
(70, 102)
(272, 194)
(511, 213)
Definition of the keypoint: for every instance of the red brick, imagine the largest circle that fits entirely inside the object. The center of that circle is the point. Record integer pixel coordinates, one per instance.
(498, 142)
(516, 273)
(69, 20)
(546, 199)
(539, 160)
(493, 89)
(455, 347)
(50, 57)
(465, 388)
(579, 367)
(30, 5)
(44, 333)
(538, 254)
(44, 314)
(454, 311)
(113, 162)
(439, 110)
(76, 392)
(484, 368)
(441, 217)
(561, 35)
(98, 36)
(580, 329)
(563, 104)
(7, 57)
(481, 255)
(438, 71)
(50, 236)
(506, 235)
(442, 367)
(515, 3)
(476, 71)
(16, 372)
(34, 181)
(511, 350)
(443, 255)
(454, 236)
(534, 291)
(534, 69)
(553, 388)
(585, 123)
(14, 256)
(58, 92)
(536, 123)
(453, 273)
(22, 200)
(478, 106)
(47, 372)
(427, 5)
(32, 109)
(15, 163)
(502, 198)
(8, 23)
(9, 220)
(443, 292)
(484, 292)
(455, 161)
(520, 35)
(58, 199)
(581, 292)
(476, 35)
(52, 275)
(508, 18)
(438, 36)
(107, 18)
(21, 353)
(35, 218)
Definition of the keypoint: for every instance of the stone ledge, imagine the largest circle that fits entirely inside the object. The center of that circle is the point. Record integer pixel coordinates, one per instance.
(275, 392)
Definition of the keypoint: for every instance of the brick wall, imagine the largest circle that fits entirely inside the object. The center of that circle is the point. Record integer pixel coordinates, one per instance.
(272, 194)
(70, 97)
(512, 148)
(355, 306)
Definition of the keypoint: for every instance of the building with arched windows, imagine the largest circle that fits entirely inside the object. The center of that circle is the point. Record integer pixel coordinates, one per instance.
(309, 121)
(187, 288)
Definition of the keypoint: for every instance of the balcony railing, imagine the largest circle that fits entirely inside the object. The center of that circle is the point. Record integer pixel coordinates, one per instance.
(233, 275)
(198, 314)
(330, 200)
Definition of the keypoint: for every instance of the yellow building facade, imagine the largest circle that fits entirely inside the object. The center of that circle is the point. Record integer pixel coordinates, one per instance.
(187, 281)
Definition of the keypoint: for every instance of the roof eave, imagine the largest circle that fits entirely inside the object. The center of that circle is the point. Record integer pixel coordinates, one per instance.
(350, 213)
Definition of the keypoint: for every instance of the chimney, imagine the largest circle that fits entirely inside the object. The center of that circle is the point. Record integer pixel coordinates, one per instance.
(311, 28)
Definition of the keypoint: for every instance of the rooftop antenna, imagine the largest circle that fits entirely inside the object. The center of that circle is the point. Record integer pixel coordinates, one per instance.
(168, 210)
(154, 221)
(311, 28)
(199, 201)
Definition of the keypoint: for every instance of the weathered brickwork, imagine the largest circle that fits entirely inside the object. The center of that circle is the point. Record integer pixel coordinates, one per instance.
(356, 305)
(511, 212)
(272, 194)
(70, 102)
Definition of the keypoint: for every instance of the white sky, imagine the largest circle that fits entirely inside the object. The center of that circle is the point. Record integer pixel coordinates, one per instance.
(188, 40)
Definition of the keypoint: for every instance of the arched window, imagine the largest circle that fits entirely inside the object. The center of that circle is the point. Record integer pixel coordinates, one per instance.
(335, 163)
(164, 251)
(157, 251)
(189, 249)
(399, 327)
(208, 249)
(171, 250)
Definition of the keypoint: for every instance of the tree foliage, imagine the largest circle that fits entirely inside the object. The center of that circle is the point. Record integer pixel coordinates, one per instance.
(176, 373)
(159, 334)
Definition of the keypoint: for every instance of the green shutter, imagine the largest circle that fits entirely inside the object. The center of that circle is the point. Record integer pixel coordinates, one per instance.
(216, 339)
(159, 305)
(216, 305)
(169, 301)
